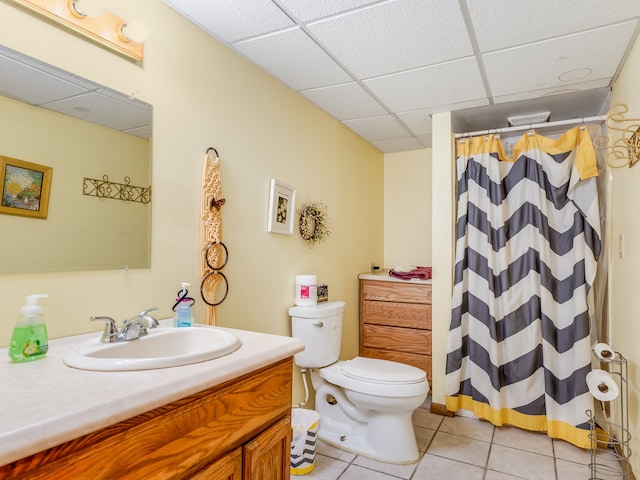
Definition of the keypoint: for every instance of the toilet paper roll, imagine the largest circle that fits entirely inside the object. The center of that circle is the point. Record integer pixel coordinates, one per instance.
(604, 351)
(602, 385)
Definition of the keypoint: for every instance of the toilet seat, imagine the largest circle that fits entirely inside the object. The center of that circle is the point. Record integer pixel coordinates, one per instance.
(377, 377)
(382, 371)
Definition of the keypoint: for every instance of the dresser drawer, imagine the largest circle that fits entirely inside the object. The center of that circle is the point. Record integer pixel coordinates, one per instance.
(410, 315)
(395, 292)
(421, 361)
(396, 338)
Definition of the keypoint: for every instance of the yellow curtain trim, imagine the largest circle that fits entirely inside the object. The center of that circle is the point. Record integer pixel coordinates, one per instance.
(585, 161)
(536, 423)
(482, 145)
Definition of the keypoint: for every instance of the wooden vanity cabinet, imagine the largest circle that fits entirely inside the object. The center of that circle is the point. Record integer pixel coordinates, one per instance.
(395, 322)
(238, 430)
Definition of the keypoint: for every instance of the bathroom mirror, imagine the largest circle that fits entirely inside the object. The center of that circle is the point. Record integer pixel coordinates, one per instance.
(81, 130)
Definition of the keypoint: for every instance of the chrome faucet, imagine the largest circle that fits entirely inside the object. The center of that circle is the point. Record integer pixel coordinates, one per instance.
(132, 328)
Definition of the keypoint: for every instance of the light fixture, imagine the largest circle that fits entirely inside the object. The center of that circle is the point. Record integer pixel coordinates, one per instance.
(529, 119)
(88, 18)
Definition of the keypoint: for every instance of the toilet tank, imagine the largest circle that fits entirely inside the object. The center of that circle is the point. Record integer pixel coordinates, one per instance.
(319, 327)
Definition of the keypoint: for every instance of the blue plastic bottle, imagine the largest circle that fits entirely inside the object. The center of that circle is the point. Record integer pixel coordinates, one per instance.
(183, 314)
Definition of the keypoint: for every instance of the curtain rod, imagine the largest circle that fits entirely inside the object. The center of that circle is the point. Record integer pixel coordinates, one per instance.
(598, 118)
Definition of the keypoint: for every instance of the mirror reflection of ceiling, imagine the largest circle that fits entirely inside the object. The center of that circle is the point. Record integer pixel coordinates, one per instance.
(383, 67)
(77, 118)
(36, 83)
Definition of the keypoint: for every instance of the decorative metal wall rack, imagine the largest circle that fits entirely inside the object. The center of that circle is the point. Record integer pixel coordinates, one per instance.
(120, 191)
(624, 151)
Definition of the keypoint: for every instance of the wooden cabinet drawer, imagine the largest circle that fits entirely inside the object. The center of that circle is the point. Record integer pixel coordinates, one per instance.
(395, 292)
(228, 467)
(395, 338)
(410, 315)
(421, 361)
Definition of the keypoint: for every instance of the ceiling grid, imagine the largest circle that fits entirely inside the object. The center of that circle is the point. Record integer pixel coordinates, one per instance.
(384, 67)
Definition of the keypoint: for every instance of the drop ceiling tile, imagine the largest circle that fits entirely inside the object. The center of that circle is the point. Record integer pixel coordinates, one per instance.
(500, 24)
(384, 127)
(430, 87)
(32, 85)
(395, 36)
(426, 140)
(345, 102)
(295, 59)
(419, 121)
(398, 145)
(459, 105)
(540, 65)
(306, 10)
(547, 92)
(102, 109)
(143, 132)
(232, 21)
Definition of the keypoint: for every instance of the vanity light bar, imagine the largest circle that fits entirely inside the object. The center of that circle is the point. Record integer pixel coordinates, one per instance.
(106, 29)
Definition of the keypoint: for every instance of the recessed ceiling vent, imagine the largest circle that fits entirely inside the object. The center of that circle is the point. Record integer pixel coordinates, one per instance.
(529, 119)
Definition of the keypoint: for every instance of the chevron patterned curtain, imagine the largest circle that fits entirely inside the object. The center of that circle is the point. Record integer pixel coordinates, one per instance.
(527, 242)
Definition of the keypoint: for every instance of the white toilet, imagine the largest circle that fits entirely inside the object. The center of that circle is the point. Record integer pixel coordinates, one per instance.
(365, 404)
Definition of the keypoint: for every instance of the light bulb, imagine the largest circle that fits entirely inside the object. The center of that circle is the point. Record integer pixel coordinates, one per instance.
(133, 31)
(86, 8)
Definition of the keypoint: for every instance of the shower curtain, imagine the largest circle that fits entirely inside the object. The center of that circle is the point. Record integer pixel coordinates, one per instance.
(527, 243)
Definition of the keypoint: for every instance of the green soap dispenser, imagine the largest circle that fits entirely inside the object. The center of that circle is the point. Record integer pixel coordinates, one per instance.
(29, 340)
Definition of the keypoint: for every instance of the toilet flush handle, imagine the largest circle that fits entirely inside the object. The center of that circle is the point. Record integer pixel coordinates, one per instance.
(319, 324)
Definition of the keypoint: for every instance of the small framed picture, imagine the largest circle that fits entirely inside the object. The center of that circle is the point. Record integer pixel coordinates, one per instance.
(282, 200)
(25, 187)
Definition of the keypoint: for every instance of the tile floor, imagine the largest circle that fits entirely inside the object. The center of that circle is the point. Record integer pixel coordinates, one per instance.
(464, 448)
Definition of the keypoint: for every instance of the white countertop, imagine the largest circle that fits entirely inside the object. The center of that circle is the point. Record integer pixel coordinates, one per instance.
(44, 403)
(383, 275)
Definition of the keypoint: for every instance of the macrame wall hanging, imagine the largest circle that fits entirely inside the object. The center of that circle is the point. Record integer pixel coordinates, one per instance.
(213, 253)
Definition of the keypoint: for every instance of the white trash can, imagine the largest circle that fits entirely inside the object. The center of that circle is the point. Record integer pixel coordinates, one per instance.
(304, 423)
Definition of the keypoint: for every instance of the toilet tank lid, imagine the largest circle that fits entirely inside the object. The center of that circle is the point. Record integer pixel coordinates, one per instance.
(322, 309)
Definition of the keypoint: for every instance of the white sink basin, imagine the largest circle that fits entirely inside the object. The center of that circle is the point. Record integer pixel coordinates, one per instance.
(161, 348)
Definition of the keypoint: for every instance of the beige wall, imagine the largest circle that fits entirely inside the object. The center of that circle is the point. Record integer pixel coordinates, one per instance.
(407, 208)
(79, 230)
(205, 95)
(625, 319)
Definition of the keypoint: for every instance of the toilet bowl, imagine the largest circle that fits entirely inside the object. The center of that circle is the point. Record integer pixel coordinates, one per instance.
(365, 404)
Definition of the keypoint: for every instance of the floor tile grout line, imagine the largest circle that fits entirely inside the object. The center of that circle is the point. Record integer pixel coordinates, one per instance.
(486, 464)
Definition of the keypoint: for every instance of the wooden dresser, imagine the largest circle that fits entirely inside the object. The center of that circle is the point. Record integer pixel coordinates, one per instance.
(395, 321)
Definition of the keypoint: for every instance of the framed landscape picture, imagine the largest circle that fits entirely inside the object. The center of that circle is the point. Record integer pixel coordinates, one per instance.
(25, 187)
